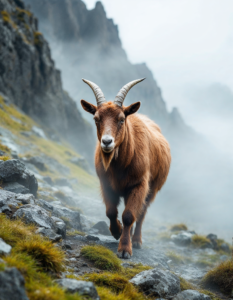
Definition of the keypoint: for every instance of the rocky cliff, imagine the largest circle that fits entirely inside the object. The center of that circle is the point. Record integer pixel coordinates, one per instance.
(29, 79)
(86, 44)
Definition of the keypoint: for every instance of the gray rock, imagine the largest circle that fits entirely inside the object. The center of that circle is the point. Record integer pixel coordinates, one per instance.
(92, 238)
(183, 238)
(86, 223)
(62, 182)
(72, 217)
(157, 282)
(6, 209)
(50, 234)
(12, 285)
(224, 257)
(225, 247)
(60, 227)
(84, 288)
(15, 171)
(102, 228)
(36, 215)
(81, 162)
(37, 161)
(4, 248)
(16, 188)
(8, 199)
(48, 180)
(46, 205)
(26, 199)
(212, 236)
(191, 295)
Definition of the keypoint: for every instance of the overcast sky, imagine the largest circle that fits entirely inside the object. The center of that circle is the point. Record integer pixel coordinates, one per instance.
(184, 42)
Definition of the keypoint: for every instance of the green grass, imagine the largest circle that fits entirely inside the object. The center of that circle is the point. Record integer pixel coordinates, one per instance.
(220, 276)
(179, 227)
(199, 241)
(102, 258)
(75, 232)
(4, 158)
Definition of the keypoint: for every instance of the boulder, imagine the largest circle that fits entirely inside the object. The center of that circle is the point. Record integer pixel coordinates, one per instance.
(8, 199)
(72, 218)
(4, 248)
(102, 228)
(37, 161)
(26, 199)
(60, 227)
(84, 288)
(157, 282)
(48, 179)
(212, 236)
(225, 247)
(16, 188)
(86, 223)
(183, 238)
(191, 295)
(15, 171)
(12, 285)
(50, 234)
(34, 214)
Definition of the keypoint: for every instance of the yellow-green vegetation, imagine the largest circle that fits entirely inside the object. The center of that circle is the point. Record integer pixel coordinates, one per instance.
(102, 258)
(37, 38)
(221, 276)
(199, 241)
(134, 269)
(4, 158)
(33, 255)
(60, 195)
(179, 227)
(176, 258)
(164, 236)
(60, 151)
(185, 285)
(7, 18)
(202, 263)
(75, 232)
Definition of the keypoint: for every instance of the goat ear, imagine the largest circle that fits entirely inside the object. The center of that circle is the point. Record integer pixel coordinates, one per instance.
(131, 109)
(88, 107)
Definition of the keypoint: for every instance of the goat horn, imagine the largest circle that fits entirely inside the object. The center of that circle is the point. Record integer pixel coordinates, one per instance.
(120, 97)
(99, 95)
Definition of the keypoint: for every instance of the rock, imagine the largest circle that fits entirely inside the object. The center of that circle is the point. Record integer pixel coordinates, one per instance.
(36, 215)
(84, 288)
(46, 205)
(8, 199)
(157, 282)
(60, 227)
(62, 182)
(86, 223)
(212, 236)
(4, 248)
(6, 209)
(15, 171)
(183, 238)
(81, 162)
(12, 285)
(72, 218)
(15, 187)
(37, 162)
(224, 257)
(50, 234)
(191, 295)
(48, 180)
(39, 132)
(26, 199)
(92, 238)
(225, 247)
(102, 228)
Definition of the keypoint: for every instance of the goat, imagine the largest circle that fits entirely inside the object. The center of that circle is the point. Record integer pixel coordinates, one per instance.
(132, 161)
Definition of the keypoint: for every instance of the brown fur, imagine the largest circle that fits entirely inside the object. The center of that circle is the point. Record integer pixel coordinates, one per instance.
(136, 169)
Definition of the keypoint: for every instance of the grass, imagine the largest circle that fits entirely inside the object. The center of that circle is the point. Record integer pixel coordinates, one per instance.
(176, 258)
(4, 148)
(75, 232)
(164, 236)
(33, 256)
(102, 258)
(7, 18)
(199, 241)
(221, 276)
(4, 158)
(37, 39)
(179, 227)
(60, 195)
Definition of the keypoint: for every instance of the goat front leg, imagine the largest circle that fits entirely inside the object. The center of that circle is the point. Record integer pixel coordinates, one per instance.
(111, 201)
(134, 205)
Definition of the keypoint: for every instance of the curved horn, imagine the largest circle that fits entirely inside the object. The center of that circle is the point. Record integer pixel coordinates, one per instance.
(120, 97)
(99, 95)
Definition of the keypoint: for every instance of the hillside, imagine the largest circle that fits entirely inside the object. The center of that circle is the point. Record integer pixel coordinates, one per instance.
(30, 80)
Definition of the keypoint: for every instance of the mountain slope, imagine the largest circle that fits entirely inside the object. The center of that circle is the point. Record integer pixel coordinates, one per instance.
(29, 79)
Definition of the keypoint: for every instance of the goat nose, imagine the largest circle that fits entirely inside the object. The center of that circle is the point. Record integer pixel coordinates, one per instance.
(107, 142)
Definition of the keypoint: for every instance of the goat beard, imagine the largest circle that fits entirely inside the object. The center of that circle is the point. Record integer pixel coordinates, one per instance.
(107, 158)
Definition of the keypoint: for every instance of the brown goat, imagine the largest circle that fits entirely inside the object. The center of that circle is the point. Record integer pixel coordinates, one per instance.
(132, 161)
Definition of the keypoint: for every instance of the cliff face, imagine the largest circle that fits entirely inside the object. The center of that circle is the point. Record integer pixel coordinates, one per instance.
(28, 77)
(86, 44)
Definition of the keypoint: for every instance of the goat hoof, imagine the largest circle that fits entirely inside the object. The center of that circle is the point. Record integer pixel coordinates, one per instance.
(123, 254)
(137, 245)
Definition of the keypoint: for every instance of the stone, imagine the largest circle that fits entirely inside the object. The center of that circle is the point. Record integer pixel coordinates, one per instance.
(50, 234)
(5, 249)
(16, 188)
(191, 295)
(157, 282)
(34, 214)
(62, 182)
(183, 238)
(212, 236)
(224, 257)
(37, 161)
(6, 209)
(60, 226)
(102, 228)
(81, 162)
(84, 288)
(86, 223)
(72, 217)
(225, 247)
(48, 179)
(8, 199)
(12, 285)
(14, 170)
(26, 199)
(92, 238)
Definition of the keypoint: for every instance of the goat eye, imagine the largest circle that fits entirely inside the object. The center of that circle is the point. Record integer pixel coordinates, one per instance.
(122, 121)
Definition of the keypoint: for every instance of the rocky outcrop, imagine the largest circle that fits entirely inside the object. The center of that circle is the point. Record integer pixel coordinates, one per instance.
(29, 79)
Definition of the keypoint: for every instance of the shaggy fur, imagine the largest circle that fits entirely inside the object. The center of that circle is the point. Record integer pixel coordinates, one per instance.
(136, 169)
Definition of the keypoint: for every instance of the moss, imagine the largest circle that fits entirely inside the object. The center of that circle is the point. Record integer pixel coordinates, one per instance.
(5, 148)
(176, 258)
(4, 158)
(221, 276)
(75, 232)
(7, 18)
(202, 263)
(38, 39)
(102, 257)
(134, 269)
(200, 241)
(179, 227)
